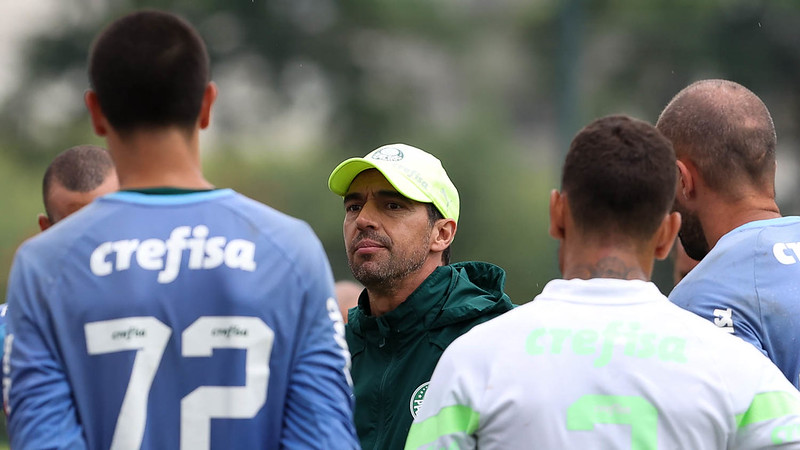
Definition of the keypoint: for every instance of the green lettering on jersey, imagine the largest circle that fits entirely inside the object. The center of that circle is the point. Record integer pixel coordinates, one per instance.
(584, 342)
(531, 345)
(637, 412)
(618, 338)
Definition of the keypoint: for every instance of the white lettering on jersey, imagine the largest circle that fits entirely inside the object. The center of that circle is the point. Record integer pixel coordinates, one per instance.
(787, 253)
(338, 334)
(723, 319)
(7, 346)
(165, 256)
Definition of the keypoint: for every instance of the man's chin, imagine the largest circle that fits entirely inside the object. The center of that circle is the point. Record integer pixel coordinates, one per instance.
(365, 272)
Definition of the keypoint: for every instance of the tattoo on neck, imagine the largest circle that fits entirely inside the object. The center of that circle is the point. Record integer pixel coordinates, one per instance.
(609, 267)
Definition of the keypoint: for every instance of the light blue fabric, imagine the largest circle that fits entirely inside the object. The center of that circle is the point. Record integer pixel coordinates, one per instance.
(171, 300)
(749, 284)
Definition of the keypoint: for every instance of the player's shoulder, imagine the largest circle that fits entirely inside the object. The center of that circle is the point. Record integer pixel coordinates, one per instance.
(708, 337)
(265, 217)
(778, 242)
(59, 239)
(279, 234)
(489, 337)
(760, 235)
(728, 267)
(731, 267)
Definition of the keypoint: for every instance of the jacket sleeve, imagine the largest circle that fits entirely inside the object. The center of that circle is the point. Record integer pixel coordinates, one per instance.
(319, 404)
(448, 417)
(40, 407)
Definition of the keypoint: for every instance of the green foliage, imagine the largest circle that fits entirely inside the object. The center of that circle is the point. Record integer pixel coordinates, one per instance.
(21, 205)
(494, 89)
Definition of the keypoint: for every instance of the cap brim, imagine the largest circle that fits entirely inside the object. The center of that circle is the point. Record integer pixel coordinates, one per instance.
(344, 174)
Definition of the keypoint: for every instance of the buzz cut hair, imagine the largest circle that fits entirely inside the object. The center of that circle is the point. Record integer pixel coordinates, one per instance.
(726, 131)
(619, 178)
(79, 169)
(149, 70)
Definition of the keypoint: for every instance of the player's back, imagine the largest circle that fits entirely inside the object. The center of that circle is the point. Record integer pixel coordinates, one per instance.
(184, 321)
(748, 285)
(610, 364)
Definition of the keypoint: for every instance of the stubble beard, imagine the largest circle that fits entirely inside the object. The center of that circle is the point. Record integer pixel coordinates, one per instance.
(386, 275)
(691, 234)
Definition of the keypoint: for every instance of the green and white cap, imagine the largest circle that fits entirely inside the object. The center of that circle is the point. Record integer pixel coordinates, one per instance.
(416, 174)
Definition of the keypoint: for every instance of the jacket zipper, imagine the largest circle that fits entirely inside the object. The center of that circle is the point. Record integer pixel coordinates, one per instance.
(381, 431)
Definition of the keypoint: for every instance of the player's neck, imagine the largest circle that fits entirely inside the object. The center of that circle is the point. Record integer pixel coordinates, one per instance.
(587, 261)
(386, 297)
(158, 158)
(718, 221)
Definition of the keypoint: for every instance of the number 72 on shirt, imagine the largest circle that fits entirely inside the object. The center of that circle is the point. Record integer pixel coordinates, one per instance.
(148, 337)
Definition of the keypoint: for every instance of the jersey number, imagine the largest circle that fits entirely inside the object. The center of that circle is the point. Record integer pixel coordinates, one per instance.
(148, 336)
(637, 412)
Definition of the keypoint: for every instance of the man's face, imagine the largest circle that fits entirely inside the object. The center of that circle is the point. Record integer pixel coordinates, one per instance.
(691, 232)
(63, 202)
(386, 235)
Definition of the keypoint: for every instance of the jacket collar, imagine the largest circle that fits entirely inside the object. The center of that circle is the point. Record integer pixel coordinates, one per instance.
(473, 286)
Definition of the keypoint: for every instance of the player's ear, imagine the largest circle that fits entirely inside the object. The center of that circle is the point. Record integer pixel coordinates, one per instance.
(686, 180)
(444, 231)
(666, 234)
(99, 122)
(44, 222)
(557, 210)
(209, 96)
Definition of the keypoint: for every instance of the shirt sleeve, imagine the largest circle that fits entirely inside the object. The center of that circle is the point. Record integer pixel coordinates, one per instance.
(448, 417)
(41, 413)
(319, 404)
(723, 303)
(772, 418)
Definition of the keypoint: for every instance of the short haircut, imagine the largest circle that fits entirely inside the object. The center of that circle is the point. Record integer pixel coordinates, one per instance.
(149, 70)
(726, 131)
(79, 169)
(619, 178)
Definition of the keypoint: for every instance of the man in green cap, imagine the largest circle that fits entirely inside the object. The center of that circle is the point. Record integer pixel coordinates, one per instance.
(401, 215)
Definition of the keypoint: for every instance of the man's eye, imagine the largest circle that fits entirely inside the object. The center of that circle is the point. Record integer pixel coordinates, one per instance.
(393, 206)
(352, 208)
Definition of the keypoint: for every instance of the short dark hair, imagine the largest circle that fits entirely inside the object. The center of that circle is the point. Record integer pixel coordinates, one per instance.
(433, 215)
(149, 70)
(79, 169)
(619, 178)
(726, 131)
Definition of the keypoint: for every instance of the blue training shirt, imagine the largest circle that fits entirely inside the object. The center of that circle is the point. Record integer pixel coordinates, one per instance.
(3, 311)
(749, 285)
(192, 321)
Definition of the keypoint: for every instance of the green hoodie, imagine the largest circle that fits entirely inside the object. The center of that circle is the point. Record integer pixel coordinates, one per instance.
(394, 355)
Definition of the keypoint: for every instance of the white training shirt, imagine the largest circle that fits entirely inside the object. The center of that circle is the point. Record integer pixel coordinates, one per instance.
(605, 363)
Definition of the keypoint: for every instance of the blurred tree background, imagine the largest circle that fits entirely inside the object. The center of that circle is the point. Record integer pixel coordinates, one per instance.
(496, 89)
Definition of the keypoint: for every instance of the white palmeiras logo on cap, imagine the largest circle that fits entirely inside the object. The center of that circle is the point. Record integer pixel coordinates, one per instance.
(388, 154)
(417, 397)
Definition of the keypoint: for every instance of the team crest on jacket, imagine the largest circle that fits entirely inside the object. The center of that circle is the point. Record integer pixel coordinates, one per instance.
(417, 397)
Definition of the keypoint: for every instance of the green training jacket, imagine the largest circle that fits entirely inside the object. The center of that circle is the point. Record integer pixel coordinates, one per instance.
(394, 355)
